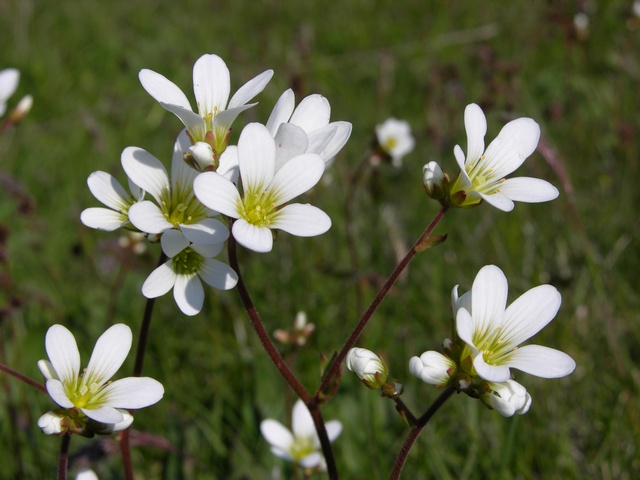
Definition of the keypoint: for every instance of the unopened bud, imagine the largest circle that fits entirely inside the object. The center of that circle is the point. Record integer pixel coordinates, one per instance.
(507, 398)
(202, 155)
(433, 368)
(434, 180)
(21, 110)
(368, 366)
(51, 423)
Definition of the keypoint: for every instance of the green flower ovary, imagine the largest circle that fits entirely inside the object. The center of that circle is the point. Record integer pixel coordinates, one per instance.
(301, 447)
(180, 206)
(258, 210)
(85, 392)
(493, 345)
(187, 262)
(482, 177)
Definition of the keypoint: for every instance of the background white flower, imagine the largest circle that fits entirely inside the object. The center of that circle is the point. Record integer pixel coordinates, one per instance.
(306, 128)
(482, 172)
(301, 445)
(188, 264)
(9, 78)
(261, 207)
(394, 137)
(211, 85)
(90, 391)
(492, 332)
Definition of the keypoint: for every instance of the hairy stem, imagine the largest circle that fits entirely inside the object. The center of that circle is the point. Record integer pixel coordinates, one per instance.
(419, 425)
(63, 459)
(24, 378)
(357, 331)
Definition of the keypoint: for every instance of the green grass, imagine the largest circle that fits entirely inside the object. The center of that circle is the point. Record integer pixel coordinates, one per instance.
(420, 61)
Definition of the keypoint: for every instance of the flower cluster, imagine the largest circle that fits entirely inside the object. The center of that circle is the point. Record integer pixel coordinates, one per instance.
(9, 79)
(486, 345)
(90, 403)
(252, 184)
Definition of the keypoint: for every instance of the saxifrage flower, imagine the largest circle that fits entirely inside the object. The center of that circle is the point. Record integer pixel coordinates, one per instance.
(265, 191)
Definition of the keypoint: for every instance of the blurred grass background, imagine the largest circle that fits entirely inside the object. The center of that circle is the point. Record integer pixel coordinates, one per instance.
(420, 61)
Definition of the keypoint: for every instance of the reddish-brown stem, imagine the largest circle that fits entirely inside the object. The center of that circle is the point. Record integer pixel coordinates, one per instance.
(24, 378)
(63, 459)
(419, 425)
(280, 363)
(125, 450)
(357, 331)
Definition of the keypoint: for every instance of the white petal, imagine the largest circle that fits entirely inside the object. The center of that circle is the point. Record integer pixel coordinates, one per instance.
(499, 201)
(291, 141)
(302, 220)
(491, 373)
(257, 157)
(173, 242)
(465, 181)
(188, 294)
(207, 251)
(228, 166)
(489, 298)
(295, 177)
(250, 89)
(104, 414)
(223, 121)
(312, 460)
(276, 434)
(258, 239)
(182, 175)
(301, 421)
(530, 313)
(334, 428)
(147, 217)
(281, 112)
(63, 353)
(339, 140)
(206, 232)
(109, 354)
(218, 275)
(542, 361)
(47, 370)
(218, 193)
(55, 389)
(160, 281)
(103, 219)
(460, 302)
(9, 78)
(108, 190)
(529, 190)
(211, 84)
(133, 392)
(162, 89)
(320, 138)
(516, 141)
(465, 327)
(146, 171)
(475, 124)
(192, 121)
(312, 113)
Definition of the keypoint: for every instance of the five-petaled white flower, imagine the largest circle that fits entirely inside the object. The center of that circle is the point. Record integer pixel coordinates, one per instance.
(188, 264)
(211, 85)
(492, 332)
(111, 193)
(176, 206)
(91, 391)
(395, 139)
(9, 78)
(301, 445)
(305, 128)
(482, 172)
(265, 191)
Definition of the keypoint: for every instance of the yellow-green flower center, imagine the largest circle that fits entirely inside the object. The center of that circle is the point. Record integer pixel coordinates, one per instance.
(180, 206)
(390, 143)
(301, 447)
(187, 262)
(258, 209)
(85, 392)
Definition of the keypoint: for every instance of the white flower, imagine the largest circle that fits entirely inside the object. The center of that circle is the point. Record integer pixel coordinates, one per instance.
(368, 366)
(188, 264)
(176, 205)
(507, 398)
(265, 191)
(111, 193)
(302, 445)
(394, 137)
(90, 391)
(305, 129)
(432, 367)
(211, 85)
(9, 78)
(482, 172)
(86, 474)
(51, 423)
(492, 333)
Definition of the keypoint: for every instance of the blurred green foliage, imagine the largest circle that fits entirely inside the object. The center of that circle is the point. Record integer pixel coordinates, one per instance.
(420, 61)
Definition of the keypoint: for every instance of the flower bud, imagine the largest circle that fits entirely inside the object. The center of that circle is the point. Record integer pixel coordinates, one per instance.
(107, 428)
(51, 423)
(21, 110)
(432, 368)
(433, 179)
(368, 366)
(202, 154)
(507, 398)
